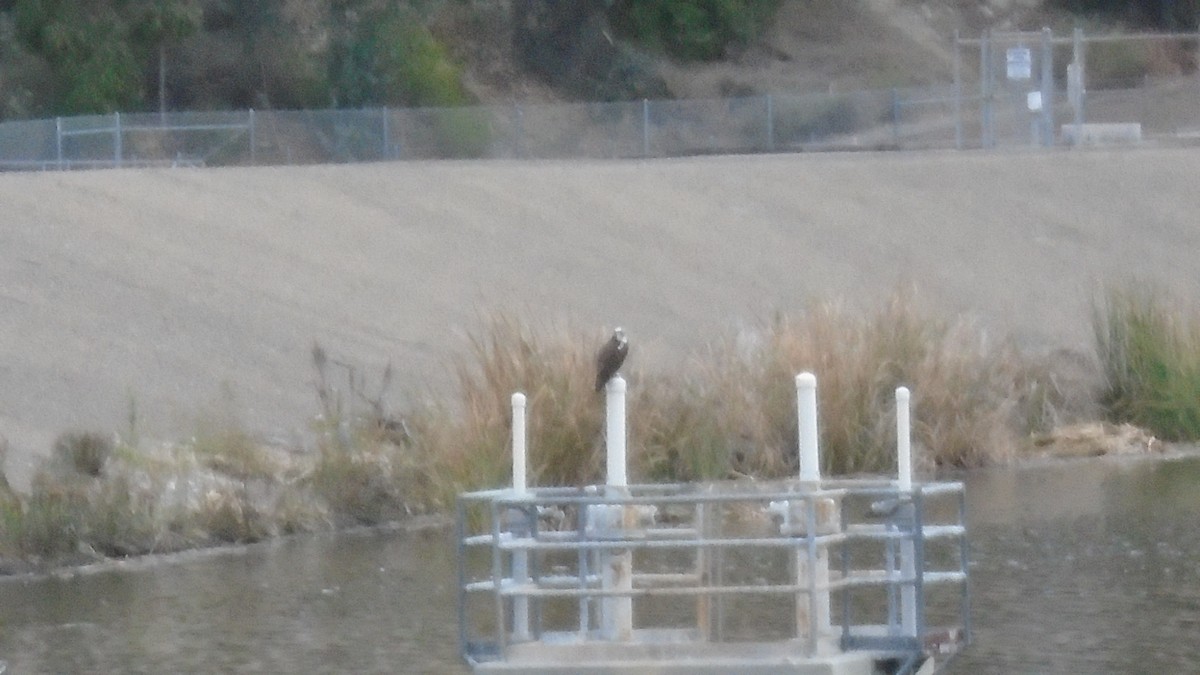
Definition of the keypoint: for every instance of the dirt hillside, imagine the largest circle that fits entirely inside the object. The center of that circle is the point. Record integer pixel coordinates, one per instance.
(171, 291)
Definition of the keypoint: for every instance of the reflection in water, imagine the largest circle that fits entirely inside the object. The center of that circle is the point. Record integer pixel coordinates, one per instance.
(1076, 567)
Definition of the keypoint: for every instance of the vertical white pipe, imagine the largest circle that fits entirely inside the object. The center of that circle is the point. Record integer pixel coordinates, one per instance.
(908, 568)
(806, 410)
(617, 566)
(519, 477)
(904, 439)
(615, 433)
(812, 612)
(520, 561)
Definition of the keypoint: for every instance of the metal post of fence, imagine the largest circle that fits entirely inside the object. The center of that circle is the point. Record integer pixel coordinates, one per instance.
(896, 116)
(58, 141)
(1047, 87)
(770, 123)
(645, 128)
(118, 151)
(387, 152)
(253, 144)
(987, 132)
(1078, 58)
(519, 131)
(958, 94)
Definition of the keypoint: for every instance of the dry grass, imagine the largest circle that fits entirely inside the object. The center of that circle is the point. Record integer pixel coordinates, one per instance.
(731, 414)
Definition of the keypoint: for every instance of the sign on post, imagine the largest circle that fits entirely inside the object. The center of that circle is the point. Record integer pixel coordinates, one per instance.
(1020, 63)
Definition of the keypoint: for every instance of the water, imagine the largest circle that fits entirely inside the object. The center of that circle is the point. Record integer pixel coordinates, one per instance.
(1077, 567)
(1086, 567)
(376, 602)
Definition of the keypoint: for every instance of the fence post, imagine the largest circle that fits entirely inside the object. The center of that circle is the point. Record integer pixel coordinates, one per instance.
(770, 123)
(1079, 58)
(58, 140)
(645, 128)
(118, 151)
(958, 94)
(519, 131)
(896, 116)
(1047, 87)
(387, 150)
(986, 135)
(253, 142)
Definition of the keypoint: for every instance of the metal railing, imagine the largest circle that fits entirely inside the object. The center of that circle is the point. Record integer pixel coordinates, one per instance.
(717, 569)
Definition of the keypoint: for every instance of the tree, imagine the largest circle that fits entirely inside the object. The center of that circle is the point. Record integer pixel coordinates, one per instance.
(389, 57)
(86, 48)
(158, 24)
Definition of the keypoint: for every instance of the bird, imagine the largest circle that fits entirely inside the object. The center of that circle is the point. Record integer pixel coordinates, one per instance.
(610, 358)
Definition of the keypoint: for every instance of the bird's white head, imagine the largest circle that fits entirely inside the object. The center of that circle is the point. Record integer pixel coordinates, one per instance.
(619, 335)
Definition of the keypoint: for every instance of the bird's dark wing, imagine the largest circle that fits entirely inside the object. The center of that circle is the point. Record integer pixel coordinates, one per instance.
(607, 362)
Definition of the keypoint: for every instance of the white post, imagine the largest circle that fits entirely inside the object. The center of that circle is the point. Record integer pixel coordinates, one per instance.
(615, 432)
(617, 566)
(812, 610)
(908, 567)
(519, 479)
(904, 439)
(520, 487)
(806, 408)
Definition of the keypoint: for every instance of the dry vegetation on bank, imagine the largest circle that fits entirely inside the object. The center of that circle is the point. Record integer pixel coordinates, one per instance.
(977, 401)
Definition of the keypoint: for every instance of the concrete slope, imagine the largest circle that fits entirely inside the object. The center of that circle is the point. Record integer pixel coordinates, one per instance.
(165, 288)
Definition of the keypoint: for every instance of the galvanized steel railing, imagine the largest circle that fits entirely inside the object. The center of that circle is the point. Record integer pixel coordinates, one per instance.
(705, 559)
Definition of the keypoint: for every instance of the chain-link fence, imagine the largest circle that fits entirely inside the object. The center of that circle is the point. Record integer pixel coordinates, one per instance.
(1009, 89)
(1038, 88)
(860, 120)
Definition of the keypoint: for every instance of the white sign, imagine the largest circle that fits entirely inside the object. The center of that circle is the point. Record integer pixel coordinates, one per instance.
(1020, 63)
(1034, 100)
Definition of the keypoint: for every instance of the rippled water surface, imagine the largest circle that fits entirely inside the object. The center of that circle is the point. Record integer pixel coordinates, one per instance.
(1077, 567)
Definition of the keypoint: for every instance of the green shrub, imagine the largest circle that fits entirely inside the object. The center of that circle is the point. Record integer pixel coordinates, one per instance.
(390, 57)
(1149, 350)
(692, 29)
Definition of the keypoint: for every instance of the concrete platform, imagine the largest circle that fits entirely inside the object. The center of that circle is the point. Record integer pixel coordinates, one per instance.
(659, 654)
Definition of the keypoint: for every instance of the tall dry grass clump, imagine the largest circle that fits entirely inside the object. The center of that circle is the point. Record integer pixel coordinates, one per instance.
(971, 398)
(468, 440)
(1149, 349)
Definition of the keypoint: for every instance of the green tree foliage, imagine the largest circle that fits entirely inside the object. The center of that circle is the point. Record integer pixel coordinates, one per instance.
(99, 52)
(702, 30)
(87, 48)
(1167, 14)
(390, 57)
(570, 45)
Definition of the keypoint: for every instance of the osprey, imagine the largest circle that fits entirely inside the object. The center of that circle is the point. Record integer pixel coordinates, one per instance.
(610, 358)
